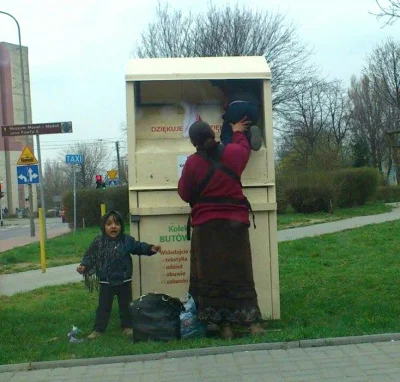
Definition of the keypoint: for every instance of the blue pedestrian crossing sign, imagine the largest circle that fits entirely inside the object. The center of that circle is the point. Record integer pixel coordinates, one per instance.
(113, 182)
(28, 174)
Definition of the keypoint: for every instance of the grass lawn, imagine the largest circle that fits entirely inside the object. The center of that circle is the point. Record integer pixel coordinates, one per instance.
(61, 250)
(334, 285)
(292, 219)
(69, 248)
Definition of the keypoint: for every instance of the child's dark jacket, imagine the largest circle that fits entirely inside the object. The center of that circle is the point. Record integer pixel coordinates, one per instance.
(111, 259)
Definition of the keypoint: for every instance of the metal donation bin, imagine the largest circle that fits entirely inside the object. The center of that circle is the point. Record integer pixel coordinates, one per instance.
(164, 97)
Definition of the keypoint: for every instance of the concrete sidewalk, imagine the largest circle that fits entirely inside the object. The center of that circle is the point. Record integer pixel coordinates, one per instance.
(362, 362)
(11, 284)
(341, 225)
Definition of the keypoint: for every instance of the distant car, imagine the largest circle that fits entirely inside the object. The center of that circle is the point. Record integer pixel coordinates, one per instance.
(51, 213)
(63, 217)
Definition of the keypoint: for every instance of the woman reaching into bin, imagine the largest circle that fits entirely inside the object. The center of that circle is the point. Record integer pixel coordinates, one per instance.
(221, 280)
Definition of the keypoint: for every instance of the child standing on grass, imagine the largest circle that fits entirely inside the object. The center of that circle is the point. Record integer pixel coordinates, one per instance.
(108, 260)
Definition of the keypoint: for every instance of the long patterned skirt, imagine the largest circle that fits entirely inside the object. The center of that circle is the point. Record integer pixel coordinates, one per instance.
(221, 274)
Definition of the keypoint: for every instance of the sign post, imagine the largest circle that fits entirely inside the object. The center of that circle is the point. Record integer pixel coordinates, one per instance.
(35, 129)
(74, 159)
(28, 174)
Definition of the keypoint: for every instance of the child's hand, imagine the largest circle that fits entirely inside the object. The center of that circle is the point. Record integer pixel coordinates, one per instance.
(242, 125)
(81, 269)
(155, 249)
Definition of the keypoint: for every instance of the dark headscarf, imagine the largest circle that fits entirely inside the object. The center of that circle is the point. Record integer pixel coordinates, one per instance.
(202, 137)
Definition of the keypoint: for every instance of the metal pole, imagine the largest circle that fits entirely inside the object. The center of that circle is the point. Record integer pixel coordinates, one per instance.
(32, 223)
(42, 226)
(1, 209)
(74, 198)
(118, 161)
(41, 186)
(30, 202)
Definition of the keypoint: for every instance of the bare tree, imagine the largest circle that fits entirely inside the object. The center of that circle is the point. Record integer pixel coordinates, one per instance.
(383, 67)
(96, 157)
(338, 111)
(307, 118)
(368, 122)
(390, 11)
(232, 31)
(55, 181)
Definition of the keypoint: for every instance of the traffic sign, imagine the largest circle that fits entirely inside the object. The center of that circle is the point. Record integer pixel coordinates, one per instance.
(112, 174)
(36, 129)
(27, 157)
(113, 182)
(28, 174)
(74, 159)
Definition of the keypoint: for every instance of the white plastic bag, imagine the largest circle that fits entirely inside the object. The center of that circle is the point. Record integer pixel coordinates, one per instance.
(191, 116)
(190, 326)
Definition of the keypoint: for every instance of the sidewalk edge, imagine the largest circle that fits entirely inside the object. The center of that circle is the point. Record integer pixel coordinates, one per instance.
(202, 352)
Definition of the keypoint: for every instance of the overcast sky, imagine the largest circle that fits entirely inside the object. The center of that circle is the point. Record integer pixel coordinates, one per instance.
(78, 51)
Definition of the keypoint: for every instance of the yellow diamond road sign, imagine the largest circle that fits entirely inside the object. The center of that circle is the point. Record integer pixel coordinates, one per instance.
(112, 174)
(27, 157)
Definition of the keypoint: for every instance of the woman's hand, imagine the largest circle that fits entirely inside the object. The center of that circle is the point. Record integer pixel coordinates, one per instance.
(81, 269)
(155, 249)
(242, 125)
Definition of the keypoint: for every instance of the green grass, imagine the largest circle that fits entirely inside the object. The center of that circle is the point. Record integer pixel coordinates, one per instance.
(69, 248)
(290, 219)
(334, 285)
(61, 250)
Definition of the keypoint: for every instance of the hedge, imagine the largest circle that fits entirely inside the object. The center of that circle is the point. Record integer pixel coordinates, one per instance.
(388, 194)
(323, 191)
(355, 186)
(281, 194)
(88, 204)
(311, 192)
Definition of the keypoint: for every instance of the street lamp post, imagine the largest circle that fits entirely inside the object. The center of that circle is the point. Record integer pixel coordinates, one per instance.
(32, 224)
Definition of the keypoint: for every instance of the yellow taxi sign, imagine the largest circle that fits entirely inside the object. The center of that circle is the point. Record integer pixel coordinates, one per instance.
(112, 174)
(27, 157)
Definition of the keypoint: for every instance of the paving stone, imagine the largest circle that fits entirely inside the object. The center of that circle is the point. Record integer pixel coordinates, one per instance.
(5, 377)
(207, 359)
(298, 373)
(273, 377)
(180, 376)
(287, 365)
(305, 365)
(311, 377)
(277, 354)
(296, 353)
(332, 373)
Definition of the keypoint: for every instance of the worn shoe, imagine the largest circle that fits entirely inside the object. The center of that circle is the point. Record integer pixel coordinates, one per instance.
(255, 138)
(257, 330)
(93, 335)
(226, 332)
(128, 331)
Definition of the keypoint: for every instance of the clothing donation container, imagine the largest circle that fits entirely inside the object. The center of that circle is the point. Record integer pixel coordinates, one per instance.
(163, 98)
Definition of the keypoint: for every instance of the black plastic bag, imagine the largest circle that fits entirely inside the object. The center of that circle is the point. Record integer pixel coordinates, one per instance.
(156, 317)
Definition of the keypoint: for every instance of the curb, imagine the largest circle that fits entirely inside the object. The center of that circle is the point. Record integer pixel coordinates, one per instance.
(335, 341)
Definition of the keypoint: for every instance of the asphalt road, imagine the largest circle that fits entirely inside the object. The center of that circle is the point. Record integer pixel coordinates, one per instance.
(16, 229)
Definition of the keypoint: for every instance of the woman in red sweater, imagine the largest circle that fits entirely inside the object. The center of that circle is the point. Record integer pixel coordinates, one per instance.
(221, 274)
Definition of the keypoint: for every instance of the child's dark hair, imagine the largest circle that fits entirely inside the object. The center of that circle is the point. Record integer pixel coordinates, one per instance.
(117, 217)
(203, 137)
